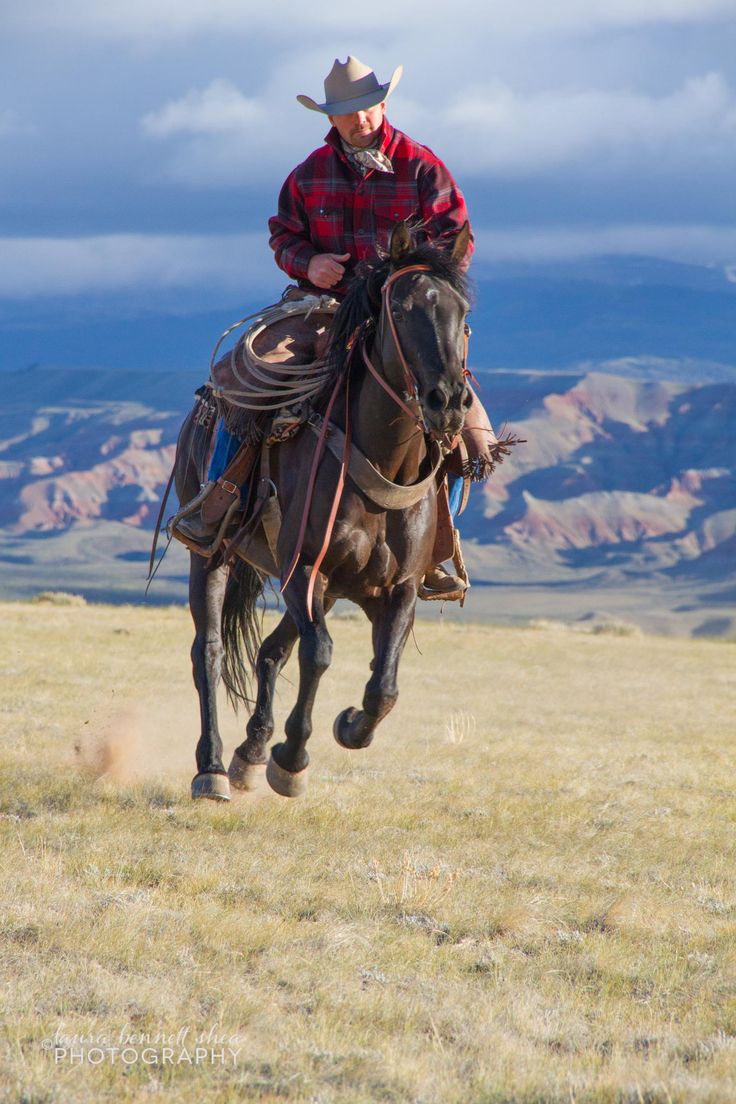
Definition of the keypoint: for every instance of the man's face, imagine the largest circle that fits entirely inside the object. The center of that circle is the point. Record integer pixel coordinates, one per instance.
(361, 127)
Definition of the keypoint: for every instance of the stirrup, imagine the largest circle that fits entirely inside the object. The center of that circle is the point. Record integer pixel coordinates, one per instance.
(459, 564)
(457, 595)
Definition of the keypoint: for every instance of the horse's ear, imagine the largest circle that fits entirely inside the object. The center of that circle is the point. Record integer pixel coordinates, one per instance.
(400, 242)
(462, 241)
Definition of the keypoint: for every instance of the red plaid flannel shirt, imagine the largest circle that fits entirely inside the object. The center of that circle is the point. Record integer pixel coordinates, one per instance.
(326, 206)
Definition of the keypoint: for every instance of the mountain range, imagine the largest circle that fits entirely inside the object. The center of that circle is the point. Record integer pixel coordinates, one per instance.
(620, 505)
(532, 316)
(620, 483)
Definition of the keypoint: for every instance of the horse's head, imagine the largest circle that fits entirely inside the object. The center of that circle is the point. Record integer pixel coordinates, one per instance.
(421, 334)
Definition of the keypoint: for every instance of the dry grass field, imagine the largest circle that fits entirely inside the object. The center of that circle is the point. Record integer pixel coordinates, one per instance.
(524, 891)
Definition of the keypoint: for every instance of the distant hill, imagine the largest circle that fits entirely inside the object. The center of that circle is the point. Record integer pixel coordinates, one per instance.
(604, 308)
(623, 484)
(547, 315)
(615, 472)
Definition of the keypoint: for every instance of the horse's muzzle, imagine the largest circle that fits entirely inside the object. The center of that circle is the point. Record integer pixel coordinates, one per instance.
(446, 405)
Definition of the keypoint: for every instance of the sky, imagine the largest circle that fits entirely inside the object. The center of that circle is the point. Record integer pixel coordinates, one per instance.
(143, 142)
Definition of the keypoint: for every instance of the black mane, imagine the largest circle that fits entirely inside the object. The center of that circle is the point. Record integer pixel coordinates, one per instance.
(362, 301)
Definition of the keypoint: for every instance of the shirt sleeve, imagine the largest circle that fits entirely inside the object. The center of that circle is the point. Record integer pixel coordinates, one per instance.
(290, 231)
(443, 207)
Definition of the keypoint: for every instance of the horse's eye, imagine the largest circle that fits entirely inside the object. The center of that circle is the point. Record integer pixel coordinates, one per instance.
(397, 315)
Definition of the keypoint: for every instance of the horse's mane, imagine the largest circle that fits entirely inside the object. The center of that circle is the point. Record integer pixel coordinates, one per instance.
(362, 301)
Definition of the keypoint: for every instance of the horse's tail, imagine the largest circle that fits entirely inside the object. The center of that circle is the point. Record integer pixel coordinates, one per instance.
(241, 629)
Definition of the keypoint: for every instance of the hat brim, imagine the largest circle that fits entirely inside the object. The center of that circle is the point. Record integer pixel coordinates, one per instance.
(360, 103)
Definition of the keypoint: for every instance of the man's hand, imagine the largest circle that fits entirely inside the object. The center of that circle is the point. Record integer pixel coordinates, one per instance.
(327, 269)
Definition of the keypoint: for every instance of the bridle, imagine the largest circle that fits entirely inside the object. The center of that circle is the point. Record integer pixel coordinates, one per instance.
(411, 386)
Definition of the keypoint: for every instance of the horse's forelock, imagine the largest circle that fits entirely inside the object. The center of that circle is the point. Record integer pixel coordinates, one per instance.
(440, 264)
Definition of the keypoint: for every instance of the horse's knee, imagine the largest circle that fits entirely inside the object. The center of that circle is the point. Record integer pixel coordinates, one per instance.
(316, 650)
(323, 655)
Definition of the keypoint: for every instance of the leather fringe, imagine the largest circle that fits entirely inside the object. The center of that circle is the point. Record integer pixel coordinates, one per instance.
(246, 425)
(480, 468)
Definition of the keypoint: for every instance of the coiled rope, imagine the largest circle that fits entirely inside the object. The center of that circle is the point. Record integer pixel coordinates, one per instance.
(302, 380)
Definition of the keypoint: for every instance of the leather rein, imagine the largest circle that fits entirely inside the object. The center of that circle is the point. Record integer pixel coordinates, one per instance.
(411, 393)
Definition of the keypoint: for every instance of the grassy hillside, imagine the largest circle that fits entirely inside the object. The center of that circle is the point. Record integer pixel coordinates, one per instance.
(524, 891)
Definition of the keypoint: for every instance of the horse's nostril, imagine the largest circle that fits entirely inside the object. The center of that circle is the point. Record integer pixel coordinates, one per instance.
(436, 399)
(467, 399)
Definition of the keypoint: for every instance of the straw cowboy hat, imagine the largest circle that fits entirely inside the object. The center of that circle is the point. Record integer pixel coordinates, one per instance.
(351, 86)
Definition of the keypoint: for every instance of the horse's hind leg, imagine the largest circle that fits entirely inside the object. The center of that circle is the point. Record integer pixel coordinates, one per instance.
(287, 768)
(392, 617)
(206, 594)
(251, 755)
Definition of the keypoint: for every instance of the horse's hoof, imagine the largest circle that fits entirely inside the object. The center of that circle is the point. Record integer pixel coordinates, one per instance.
(286, 783)
(341, 723)
(341, 730)
(244, 775)
(214, 786)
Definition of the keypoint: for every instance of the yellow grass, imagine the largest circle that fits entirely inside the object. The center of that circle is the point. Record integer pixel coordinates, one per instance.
(523, 891)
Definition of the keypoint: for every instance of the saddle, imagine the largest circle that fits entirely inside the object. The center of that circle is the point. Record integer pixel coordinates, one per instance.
(262, 388)
(279, 362)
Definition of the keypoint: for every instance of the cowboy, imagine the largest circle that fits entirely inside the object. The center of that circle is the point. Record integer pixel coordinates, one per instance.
(339, 206)
(336, 209)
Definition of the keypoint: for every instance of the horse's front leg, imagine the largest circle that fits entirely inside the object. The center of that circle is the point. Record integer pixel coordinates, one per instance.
(272, 655)
(287, 768)
(392, 617)
(206, 594)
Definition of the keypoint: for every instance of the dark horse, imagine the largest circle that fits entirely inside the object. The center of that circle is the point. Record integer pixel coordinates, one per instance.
(411, 310)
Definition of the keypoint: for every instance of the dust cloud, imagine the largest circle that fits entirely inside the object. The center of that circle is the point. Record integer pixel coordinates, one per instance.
(141, 741)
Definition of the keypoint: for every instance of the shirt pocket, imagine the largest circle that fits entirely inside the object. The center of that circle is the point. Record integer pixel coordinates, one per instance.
(327, 227)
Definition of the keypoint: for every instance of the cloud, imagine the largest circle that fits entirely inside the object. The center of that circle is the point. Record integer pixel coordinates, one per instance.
(220, 108)
(689, 244)
(139, 263)
(160, 19)
(490, 129)
(493, 128)
(118, 263)
(218, 137)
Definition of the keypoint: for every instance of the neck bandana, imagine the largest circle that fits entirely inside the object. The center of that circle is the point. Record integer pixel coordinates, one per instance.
(366, 159)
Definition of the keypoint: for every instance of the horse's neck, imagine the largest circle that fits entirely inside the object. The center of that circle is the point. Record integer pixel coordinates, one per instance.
(385, 433)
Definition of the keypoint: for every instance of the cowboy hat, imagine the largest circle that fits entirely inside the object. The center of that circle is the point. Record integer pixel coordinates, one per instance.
(351, 86)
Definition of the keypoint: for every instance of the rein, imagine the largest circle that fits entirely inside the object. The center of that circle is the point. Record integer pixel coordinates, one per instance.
(417, 419)
(411, 392)
(318, 453)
